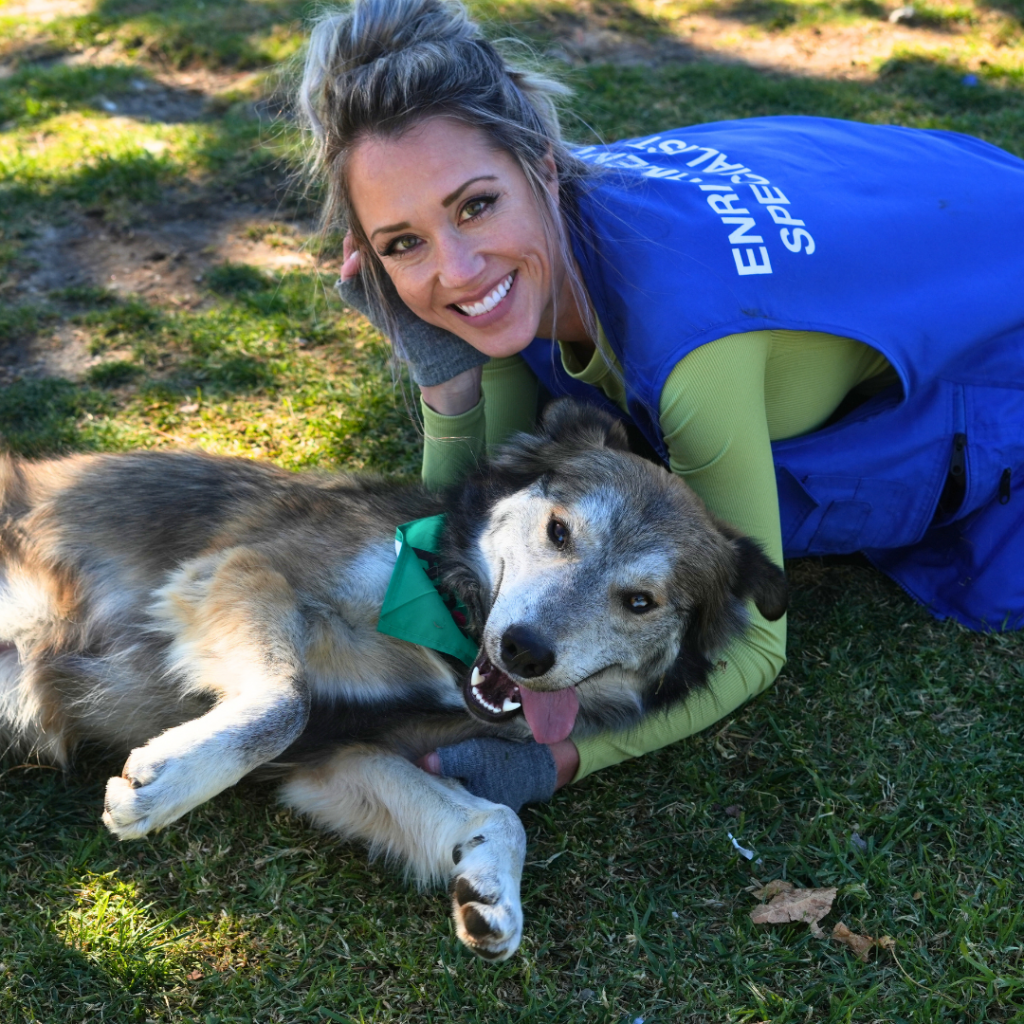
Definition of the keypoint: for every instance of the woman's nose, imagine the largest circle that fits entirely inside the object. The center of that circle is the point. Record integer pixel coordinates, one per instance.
(458, 262)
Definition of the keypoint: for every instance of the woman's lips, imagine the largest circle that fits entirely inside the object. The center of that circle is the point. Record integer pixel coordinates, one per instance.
(489, 302)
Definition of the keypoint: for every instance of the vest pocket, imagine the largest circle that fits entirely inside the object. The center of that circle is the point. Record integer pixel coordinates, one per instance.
(893, 457)
(995, 444)
(843, 514)
(955, 488)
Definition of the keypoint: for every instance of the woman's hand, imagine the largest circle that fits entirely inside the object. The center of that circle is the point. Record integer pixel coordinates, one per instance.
(505, 772)
(351, 258)
(446, 368)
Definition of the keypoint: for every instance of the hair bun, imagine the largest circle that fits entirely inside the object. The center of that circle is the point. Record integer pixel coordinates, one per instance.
(382, 27)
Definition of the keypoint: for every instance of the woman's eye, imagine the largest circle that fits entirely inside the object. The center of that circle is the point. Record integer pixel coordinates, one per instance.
(401, 245)
(476, 206)
(638, 602)
(558, 533)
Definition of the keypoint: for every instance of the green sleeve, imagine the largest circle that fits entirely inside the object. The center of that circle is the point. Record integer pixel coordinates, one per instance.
(453, 445)
(510, 395)
(714, 422)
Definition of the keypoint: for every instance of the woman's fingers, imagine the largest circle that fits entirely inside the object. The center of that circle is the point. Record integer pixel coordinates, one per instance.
(350, 261)
(350, 267)
(430, 763)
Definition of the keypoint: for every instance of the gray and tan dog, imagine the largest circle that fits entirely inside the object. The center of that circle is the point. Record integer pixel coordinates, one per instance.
(216, 616)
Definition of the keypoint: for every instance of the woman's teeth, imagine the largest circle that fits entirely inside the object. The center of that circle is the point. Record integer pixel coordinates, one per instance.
(488, 302)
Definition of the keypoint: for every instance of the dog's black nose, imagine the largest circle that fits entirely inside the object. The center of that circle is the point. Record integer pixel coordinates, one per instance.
(525, 653)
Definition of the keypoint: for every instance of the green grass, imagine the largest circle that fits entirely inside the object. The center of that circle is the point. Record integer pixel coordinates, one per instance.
(885, 723)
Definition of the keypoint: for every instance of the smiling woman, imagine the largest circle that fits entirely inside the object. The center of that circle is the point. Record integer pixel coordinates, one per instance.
(813, 321)
(468, 251)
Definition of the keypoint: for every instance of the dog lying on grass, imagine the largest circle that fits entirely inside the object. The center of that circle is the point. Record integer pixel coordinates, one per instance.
(218, 616)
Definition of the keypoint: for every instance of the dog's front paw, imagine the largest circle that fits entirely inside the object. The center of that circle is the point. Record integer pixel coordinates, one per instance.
(148, 794)
(485, 895)
(489, 922)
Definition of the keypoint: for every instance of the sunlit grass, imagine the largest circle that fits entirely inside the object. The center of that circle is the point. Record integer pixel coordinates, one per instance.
(113, 929)
(93, 157)
(269, 372)
(230, 33)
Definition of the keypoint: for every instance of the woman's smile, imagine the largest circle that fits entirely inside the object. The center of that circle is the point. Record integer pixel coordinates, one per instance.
(462, 235)
(490, 302)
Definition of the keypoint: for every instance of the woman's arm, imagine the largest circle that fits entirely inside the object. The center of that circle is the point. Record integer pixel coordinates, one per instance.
(453, 445)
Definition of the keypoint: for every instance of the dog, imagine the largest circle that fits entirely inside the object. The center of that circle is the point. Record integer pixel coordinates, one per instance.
(216, 617)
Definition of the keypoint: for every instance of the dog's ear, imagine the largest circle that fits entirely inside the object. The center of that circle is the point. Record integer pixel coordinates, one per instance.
(567, 428)
(749, 574)
(569, 422)
(758, 578)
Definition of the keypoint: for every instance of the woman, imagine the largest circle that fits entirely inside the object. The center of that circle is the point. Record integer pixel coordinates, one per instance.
(731, 289)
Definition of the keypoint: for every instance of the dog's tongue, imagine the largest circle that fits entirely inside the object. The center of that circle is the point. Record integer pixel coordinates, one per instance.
(549, 715)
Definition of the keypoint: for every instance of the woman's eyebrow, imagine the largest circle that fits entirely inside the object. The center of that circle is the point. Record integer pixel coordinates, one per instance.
(449, 199)
(390, 227)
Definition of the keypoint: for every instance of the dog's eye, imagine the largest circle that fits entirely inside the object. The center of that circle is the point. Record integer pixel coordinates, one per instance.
(638, 602)
(558, 533)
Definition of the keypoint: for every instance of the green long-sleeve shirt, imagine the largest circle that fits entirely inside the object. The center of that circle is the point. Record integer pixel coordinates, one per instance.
(720, 409)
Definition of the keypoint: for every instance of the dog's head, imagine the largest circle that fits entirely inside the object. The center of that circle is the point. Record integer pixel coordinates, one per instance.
(603, 586)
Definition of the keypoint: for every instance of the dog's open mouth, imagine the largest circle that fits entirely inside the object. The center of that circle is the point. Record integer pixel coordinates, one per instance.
(494, 697)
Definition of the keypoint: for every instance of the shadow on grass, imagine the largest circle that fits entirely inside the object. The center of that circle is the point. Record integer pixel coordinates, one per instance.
(782, 14)
(46, 417)
(919, 91)
(37, 91)
(180, 33)
(1012, 8)
(85, 942)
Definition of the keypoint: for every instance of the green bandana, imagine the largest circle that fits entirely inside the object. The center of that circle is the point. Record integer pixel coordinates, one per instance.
(414, 609)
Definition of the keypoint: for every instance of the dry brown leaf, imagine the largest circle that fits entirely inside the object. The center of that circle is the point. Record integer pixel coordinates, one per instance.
(766, 892)
(860, 944)
(794, 905)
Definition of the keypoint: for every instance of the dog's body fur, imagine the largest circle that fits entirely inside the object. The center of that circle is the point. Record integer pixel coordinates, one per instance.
(216, 616)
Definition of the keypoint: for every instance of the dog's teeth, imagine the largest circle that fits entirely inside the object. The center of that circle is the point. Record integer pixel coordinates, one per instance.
(474, 679)
(510, 705)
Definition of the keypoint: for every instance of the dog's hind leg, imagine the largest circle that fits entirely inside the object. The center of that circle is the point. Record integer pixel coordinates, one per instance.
(238, 636)
(434, 827)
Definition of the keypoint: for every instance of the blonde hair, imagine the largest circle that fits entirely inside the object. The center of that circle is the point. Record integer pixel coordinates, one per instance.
(379, 67)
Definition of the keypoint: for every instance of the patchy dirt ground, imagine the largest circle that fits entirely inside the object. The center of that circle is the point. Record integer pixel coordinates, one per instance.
(846, 51)
(164, 259)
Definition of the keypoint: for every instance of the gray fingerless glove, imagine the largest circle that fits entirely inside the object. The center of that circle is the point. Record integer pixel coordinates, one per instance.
(434, 355)
(502, 772)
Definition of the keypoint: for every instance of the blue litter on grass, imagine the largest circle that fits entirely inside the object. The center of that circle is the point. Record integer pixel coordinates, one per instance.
(970, 79)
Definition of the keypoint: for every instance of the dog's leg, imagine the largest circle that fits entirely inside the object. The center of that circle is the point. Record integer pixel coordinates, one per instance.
(188, 765)
(436, 828)
(238, 637)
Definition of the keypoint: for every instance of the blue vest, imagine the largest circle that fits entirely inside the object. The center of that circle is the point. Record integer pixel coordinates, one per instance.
(909, 241)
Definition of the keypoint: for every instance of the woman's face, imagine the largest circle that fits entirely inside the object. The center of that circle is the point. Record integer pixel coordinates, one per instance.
(459, 231)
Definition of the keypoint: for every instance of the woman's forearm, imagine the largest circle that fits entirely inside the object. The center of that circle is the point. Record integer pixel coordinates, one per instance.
(456, 396)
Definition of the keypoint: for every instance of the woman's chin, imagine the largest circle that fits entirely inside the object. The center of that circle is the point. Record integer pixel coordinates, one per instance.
(498, 340)
(499, 347)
